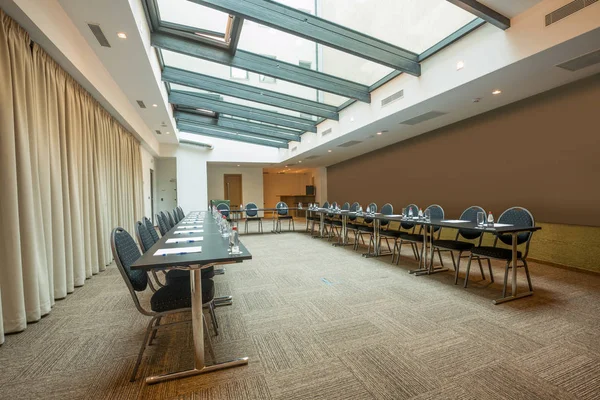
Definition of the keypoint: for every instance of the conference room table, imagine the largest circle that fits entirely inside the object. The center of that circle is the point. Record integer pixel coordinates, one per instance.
(215, 251)
(426, 262)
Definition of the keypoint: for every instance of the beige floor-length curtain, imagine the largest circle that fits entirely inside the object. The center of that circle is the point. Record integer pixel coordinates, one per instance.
(70, 174)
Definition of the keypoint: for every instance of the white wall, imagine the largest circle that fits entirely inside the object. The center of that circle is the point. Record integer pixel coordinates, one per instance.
(148, 163)
(252, 182)
(166, 181)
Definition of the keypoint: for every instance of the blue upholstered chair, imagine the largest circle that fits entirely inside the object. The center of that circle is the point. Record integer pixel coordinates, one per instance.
(167, 300)
(365, 228)
(514, 216)
(406, 227)
(252, 215)
(151, 229)
(163, 227)
(283, 214)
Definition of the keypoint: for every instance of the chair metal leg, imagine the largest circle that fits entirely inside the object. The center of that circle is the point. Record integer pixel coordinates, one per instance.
(505, 279)
(141, 353)
(155, 331)
(440, 257)
(453, 262)
(480, 268)
(468, 270)
(490, 268)
(213, 316)
(527, 274)
(207, 336)
(456, 266)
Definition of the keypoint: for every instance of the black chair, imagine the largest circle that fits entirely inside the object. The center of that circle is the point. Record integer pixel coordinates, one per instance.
(366, 227)
(337, 223)
(384, 232)
(328, 222)
(409, 227)
(470, 214)
(252, 215)
(162, 225)
(180, 213)
(175, 214)
(146, 241)
(515, 216)
(224, 210)
(166, 221)
(151, 229)
(283, 214)
(436, 212)
(171, 220)
(168, 300)
(317, 219)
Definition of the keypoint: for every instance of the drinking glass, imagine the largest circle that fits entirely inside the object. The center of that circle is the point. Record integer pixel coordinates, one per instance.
(480, 218)
(427, 215)
(300, 206)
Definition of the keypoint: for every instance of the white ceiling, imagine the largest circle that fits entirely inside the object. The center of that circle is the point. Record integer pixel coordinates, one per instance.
(510, 8)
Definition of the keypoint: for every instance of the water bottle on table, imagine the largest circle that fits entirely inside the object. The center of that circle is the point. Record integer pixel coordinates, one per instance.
(235, 241)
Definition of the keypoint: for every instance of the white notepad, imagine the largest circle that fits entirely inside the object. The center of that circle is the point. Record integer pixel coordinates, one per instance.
(189, 231)
(455, 221)
(180, 250)
(186, 239)
(191, 227)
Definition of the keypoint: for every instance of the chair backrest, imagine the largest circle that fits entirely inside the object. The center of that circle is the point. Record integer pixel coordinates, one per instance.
(171, 220)
(125, 253)
(371, 207)
(346, 206)
(387, 209)
(410, 225)
(143, 236)
(176, 218)
(166, 220)
(162, 226)
(334, 204)
(151, 229)
(180, 213)
(435, 212)
(282, 208)
(326, 204)
(470, 214)
(516, 216)
(224, 209)
(353, 208)
(251, 210)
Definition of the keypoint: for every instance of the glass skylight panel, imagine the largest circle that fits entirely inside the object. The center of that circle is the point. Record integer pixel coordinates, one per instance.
(185, 12)
(292, 49)
(414, 25)
(177, 60)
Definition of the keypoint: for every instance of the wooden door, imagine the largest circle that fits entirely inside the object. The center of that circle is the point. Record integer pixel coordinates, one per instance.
(233, 190)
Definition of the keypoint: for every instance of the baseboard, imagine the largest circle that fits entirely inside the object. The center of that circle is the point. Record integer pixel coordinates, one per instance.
(563, 266)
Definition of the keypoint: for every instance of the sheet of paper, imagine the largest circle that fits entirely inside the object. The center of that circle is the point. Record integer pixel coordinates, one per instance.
(189, 231)
(191, 227)
(394, 215)
(186, 239)
(455, 221)
(180, 250)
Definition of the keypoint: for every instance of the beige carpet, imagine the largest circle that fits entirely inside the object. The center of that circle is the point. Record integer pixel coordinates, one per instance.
(320, 322)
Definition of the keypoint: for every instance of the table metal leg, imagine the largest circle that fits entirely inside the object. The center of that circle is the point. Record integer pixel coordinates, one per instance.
(200, 366)
(344, 232)
(514, 295)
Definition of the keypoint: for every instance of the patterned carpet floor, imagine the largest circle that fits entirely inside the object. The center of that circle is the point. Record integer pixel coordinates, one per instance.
(320, 322)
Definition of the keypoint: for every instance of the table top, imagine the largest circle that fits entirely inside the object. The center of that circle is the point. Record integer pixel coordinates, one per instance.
(215, 248)
(446, 223)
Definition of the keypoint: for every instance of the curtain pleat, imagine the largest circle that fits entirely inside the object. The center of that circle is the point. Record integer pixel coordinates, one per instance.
(70, 174)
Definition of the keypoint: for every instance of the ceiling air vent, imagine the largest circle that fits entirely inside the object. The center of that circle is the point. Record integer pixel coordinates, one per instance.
(423, 117)
(350, 143)
(158, 132)
(567, 10)
(326, 132)
(390, 99)
(95, 28)
(581, 62)
(312, 157)
(141, 104)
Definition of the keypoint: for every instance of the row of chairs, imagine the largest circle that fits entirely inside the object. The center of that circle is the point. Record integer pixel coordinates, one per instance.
(166, 221)
(173, 296)
(466, 241)
(251, 214)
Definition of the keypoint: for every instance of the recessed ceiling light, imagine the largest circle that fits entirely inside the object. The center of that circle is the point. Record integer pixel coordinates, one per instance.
(168, 133)
(154, 105)
(285, 166)
(122, 35)
(460, 65)
(379, 133)
(299, 162)
(238, 165)
(497, 91)
(329, 151)
(351, 119)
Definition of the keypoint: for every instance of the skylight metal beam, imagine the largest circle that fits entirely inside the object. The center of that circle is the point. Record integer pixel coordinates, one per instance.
(226, 134)
(308, 26)
(484, 12)
(223, 107)
(242, 91)
(238, 125)
(263, 65)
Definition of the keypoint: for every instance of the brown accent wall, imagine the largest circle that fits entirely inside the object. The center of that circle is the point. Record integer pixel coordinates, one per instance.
(541, 153)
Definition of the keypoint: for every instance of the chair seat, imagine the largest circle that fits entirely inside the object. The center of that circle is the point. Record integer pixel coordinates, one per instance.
(365, 228)
(284, 217)
(253, 218)
(453, 245)
(494, 252)
(177, 275)
(411, 237)
(394, 234)
(173, 297)
(336, 223)
(313, 218)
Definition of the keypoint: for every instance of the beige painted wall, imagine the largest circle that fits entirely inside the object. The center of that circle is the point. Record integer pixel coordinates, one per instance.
(284, 184)
(541, 153)
(252, 182)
